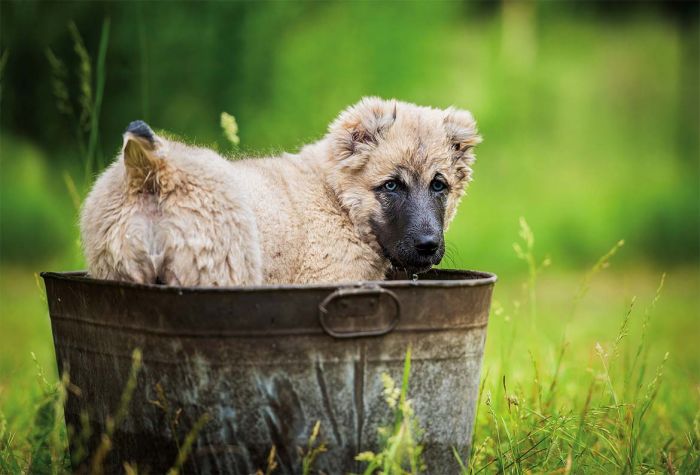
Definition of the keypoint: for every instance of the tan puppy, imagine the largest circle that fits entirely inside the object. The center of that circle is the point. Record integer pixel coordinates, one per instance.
(376, 191)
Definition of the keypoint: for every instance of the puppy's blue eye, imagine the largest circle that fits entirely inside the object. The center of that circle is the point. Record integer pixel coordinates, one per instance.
(391, 185)
(437, 186)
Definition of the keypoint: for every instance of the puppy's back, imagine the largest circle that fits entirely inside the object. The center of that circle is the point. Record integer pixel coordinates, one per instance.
(165, 212)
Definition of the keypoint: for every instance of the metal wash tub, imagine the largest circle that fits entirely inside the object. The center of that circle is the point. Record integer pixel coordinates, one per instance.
(265, 363)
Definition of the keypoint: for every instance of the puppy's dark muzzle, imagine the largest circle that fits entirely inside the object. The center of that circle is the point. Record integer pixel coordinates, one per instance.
(426, 251)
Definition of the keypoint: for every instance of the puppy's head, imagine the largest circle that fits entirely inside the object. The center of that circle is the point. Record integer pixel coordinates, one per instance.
(400, 171)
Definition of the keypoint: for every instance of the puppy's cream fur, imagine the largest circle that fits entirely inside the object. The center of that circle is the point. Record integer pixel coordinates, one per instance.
(182, 215)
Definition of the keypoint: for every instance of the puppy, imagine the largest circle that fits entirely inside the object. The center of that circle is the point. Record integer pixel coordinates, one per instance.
(376, 192)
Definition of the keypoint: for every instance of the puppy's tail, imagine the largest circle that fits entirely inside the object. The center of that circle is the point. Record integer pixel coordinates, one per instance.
(144, 158)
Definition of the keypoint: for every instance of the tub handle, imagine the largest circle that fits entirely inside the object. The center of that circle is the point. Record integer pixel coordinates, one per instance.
(359, 311)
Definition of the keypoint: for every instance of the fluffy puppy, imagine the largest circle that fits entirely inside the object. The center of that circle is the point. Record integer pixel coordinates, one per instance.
(377, 191)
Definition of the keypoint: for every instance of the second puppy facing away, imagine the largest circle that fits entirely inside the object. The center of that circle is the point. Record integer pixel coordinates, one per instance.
(377, 191)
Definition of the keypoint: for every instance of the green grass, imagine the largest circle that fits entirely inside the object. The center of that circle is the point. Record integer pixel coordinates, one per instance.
(598, 377)
(583, 382)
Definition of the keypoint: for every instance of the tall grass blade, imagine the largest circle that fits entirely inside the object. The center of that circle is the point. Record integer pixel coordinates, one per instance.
(96, 108)
(39, 439)
(143, 60)
(602, 263)
(84, 77)
(638, 424)
(186, 448)
(72, 191)
(639, 357)
(105, 446)
(9, 462)
(624, 330)
(312, 451)
(59, 83)
(462, 468)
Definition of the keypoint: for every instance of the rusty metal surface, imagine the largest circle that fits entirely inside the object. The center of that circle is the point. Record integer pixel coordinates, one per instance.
(267, 362)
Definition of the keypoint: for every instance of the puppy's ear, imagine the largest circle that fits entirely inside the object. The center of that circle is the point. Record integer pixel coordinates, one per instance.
(358, 129)
(141, 156)
(461, 131)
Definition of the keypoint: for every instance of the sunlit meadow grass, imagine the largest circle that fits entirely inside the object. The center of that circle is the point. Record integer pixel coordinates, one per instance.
(553, 400)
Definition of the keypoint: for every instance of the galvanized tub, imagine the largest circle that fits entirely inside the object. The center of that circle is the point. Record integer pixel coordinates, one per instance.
(265, 363)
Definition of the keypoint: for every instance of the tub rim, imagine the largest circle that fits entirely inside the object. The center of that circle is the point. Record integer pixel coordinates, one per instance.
(482, 278)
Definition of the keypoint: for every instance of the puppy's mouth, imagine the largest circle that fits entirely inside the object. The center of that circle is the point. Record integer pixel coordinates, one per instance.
(415, 264)
(412, 268)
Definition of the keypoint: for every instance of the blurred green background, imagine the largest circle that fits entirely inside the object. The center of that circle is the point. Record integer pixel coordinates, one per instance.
(589, 113)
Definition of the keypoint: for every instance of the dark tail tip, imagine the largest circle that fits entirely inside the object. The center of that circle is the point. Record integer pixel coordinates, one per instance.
(140, 129)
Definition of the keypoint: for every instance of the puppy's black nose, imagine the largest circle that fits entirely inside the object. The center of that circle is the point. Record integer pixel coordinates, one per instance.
(426, 245)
